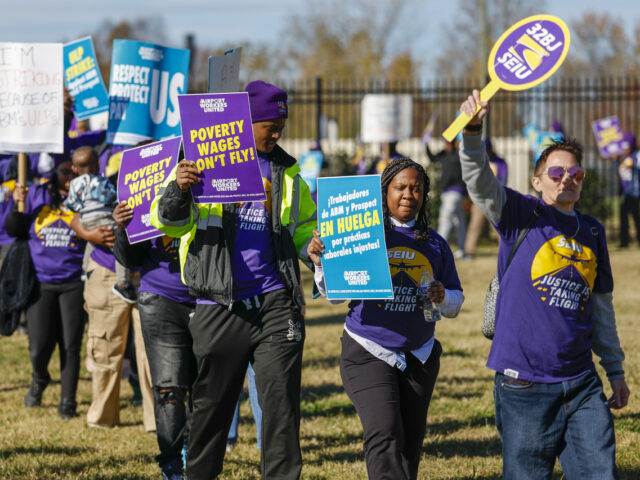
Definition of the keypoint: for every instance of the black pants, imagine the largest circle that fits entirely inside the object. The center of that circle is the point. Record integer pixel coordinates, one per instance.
(392, 406)
(629, 206)
(167, 341)
(56, 316)
(270, 335)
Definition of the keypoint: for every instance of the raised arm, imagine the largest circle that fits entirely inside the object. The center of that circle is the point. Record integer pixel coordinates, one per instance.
(484, 189)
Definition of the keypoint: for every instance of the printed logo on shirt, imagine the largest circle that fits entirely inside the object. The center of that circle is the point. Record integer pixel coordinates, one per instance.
(53, 228)
(406, 266)
(171, 246)
(6, 190)
(564, 271)
(254, 215)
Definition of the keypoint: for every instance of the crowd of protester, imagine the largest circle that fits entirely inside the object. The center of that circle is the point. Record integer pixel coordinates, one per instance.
(219, 296)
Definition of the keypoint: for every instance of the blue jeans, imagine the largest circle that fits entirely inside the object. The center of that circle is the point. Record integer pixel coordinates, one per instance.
(538, 422)
(255, 409)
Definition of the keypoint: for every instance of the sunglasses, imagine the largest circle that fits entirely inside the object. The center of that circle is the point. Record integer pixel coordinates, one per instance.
(557, 173)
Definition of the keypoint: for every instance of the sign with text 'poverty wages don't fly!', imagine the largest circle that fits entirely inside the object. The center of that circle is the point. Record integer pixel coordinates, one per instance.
(142, 172)
(355, 260)
(217, 135)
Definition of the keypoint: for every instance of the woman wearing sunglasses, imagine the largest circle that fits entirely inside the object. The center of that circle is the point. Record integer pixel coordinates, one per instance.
(554, 307)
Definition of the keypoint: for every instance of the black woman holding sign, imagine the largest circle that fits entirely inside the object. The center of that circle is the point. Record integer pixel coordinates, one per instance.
(390, 361)
(554, 308)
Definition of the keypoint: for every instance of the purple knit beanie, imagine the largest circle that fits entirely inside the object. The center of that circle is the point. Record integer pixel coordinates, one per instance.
(267, 101)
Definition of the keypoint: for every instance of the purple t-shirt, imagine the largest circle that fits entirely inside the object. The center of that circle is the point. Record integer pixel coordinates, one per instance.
(56, 251)
(160, 272)
(499, 168)
(255, 270)
(399, 324)
(543, 326)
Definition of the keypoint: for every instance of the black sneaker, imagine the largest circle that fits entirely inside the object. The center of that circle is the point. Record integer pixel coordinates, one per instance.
(33, 398)
(126, 292)
(67, 409)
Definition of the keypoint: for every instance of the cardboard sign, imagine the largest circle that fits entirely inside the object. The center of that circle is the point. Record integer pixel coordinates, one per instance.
(31, 97)
(355, 260)
(83, 79)
(142, 172)
(146, 80)
(609, 135)
(217, 134)
(224, 72)
(386, 118)
(524, 56)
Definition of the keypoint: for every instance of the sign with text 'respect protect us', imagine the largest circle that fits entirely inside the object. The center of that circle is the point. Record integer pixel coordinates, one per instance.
(146, 80)
(217, 135)
(385, 117)
(31, 97)
(355, 259)
(83, 79)
(142, 172)
(524, 56)
(609, 135)
(224, 72)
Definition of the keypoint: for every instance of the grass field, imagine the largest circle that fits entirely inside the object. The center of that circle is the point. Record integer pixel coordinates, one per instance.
(461, 441)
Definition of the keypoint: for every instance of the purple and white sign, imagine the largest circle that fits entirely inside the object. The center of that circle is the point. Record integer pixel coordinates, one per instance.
(609, 135)
(218, 136)
(529, 52)
(142, 172)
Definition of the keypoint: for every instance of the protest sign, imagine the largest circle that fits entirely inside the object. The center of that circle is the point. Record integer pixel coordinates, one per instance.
(427, 133)
(524, 56)
(82, 78)
(224, 72)
(142, 172)
(609, 135)
(539, 141)
(31, 97)
(217, 134)
(386, 118)
(146, 80)
(355, 260)
(310, 165)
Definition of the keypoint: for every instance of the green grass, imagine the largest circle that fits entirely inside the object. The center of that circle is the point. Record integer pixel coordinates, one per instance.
(461, 441)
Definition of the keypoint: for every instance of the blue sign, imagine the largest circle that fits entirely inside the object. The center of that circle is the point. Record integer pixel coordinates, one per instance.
(146, 80)
(355, 260)
(310, 164)
(82, 78)
(539, 141)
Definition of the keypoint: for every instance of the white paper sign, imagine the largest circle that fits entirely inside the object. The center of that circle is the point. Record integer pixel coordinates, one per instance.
(31, 97)
(224, 72)
(386, 118)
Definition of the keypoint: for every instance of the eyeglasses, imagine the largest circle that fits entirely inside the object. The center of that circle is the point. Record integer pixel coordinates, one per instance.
(557, 173)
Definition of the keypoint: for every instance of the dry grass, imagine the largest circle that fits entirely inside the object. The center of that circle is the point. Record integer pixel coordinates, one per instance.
(461, 443)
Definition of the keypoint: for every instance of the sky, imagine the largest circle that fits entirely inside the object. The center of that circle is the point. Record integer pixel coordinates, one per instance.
(218, 22)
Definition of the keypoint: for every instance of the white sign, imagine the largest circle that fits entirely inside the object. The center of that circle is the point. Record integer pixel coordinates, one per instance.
(386, 118)
(31, 97)
(224, 72)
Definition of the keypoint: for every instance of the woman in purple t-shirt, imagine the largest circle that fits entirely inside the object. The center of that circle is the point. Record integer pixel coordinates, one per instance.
(390, 358)
(55, 314)
(553, 309)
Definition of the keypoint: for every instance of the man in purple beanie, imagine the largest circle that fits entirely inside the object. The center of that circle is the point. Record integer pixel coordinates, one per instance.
(240, 261)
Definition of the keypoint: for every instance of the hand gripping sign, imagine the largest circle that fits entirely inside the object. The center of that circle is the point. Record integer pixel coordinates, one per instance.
(524, 56)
